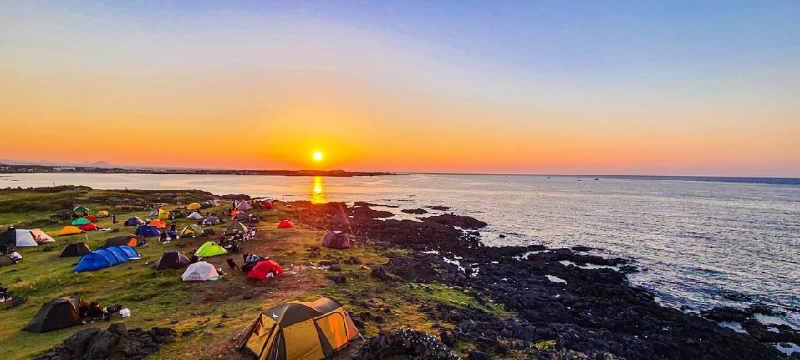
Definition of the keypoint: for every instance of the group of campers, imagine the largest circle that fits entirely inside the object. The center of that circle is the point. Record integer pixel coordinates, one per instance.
(294, 330)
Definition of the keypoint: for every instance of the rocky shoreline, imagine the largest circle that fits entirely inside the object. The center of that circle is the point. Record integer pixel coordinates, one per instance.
(564, 309)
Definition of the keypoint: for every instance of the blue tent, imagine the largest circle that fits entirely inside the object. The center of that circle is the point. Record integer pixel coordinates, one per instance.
(119, 253)
(109, 256)
(147, 231)
(133, 221)
(91, 262)
(131, 252)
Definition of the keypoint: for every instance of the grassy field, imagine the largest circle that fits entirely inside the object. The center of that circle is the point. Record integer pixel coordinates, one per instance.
(209, 317)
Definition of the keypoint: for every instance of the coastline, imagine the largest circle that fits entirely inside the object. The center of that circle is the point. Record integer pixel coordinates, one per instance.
(433, 275)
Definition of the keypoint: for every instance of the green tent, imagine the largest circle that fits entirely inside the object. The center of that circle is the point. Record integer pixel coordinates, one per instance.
(81, 221)
(193, 230)
(80, 210)
(210, 249)
(236, 225)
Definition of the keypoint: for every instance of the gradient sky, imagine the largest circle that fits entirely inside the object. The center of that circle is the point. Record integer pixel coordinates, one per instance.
(640, 87)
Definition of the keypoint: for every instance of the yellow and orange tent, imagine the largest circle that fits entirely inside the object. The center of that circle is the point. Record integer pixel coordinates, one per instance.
(158, 224)
(69, 230)
(193, 206)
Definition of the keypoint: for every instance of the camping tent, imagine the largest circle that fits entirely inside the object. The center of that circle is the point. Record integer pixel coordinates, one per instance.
(193, 230)
(110, 256)
(75, 249)
(299, 330)
(193, 206)
(243, 205)
(80, 210)
(93, 261)
(103, 213)
(200, 271)
(241, 216)
(69, 230)
(163, 215)
(8, 240)
(263, 268)
(285, 224)
(91, 218)
(41, 237)
(24, 238)
(121, 255)
(158, 224)
(174, 259)
(129, 240)
(253, 219)
(210, 249)
(211, 220)
(241, 228)
(88, 227)
(81, 221)
(130, 252)
(336, 240)
(195, 216)
(267, 204)
(147, 231)
(133, 221)
(56, 314)
(155, 212)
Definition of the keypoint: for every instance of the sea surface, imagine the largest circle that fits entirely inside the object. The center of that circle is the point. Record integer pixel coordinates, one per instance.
(700, 242)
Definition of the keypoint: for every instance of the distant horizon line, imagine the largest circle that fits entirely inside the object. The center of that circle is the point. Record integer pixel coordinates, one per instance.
(112, 166)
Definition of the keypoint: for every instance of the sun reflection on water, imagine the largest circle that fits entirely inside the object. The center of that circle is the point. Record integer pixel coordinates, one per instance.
(317, 195)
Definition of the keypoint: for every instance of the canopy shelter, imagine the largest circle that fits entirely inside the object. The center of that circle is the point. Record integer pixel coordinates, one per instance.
(210, 249)
(56, 314)
(75, 249)
(336, 240)
(199, 272)
(174, 259)
(300, 331)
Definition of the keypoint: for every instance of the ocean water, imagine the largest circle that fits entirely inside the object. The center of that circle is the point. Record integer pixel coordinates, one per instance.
(699, 242)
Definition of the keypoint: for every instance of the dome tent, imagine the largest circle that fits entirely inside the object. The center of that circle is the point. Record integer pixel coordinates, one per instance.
(129, 240)
(299, 330)
(89, 227)
(195, 216)
(200, 271)
(80, 210)
(263, 268)
(81, 221)
(285, 224)
(103, 213)
(24, 238)
(210, 249)
(91, 218)
(211, 220)
(243, 205)
(75, 249)
(193, 230)
(55, 314)
(174, 259)
(147, 231)
(336, 240)
(193, 206)
(133, 221)
(69, 230)
(239, 227)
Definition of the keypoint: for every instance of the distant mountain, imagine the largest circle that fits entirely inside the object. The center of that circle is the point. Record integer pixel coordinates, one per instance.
(98, 164)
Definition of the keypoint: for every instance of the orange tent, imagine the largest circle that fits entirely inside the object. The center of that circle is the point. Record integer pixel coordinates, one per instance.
(158, 224)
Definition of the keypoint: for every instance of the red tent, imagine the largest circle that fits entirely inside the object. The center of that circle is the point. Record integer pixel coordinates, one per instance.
(88, 227)
(284, 224)
(91, 218)
(263, 268)
(267, 205)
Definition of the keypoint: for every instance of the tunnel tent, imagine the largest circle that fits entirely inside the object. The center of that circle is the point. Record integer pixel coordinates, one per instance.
(200, 272)
(93, 261)
(75, 249)
(129, 240)
(110, 256)
(120, 254)
(299, 330)
(56, 314)
(130, 252)
(173, 259)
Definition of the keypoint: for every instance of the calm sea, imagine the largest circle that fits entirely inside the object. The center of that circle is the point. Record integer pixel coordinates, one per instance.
(701, 242)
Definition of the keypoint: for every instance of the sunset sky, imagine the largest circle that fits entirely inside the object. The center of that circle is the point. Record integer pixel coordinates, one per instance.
(640, 87)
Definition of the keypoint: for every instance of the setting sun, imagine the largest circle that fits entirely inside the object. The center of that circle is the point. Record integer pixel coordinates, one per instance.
(317, 155)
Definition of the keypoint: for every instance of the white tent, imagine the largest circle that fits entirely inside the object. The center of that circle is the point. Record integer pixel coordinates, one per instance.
(243, 205)
(195, 216)
(41, 237)
(24, 238)
(200, 271)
